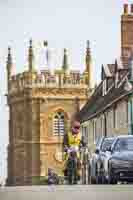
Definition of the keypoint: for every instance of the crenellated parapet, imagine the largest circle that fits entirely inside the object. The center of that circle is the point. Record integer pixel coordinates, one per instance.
(60, 78)
(46, 79)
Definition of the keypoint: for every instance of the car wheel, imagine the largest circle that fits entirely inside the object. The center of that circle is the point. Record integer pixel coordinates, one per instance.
(111, 178)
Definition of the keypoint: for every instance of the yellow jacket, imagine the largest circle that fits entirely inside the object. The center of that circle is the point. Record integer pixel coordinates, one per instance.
(74, 139)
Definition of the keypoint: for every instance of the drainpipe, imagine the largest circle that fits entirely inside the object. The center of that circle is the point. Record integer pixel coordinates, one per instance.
(105, 125)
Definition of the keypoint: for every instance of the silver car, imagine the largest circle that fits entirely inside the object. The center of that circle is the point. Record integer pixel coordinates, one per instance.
(102, 145)
(118, 160)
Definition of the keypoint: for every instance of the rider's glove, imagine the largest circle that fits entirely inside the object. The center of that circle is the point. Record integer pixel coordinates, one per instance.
(65, 149)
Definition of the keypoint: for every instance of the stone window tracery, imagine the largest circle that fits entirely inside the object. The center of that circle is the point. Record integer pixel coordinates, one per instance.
(59, 123)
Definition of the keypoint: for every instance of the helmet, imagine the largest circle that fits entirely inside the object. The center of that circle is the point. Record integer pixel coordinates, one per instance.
(75, 127)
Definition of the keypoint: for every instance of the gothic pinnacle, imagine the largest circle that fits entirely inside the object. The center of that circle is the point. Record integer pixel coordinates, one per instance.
(9, 66)
(88, 52)
(45, 43)
(31, 56)
(9, 62)
(65, 61)
(88, 63)
(116, 65)
(9, 58)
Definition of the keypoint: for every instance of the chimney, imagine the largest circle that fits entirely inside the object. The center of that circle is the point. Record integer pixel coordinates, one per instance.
(125, 8)
(131, 8)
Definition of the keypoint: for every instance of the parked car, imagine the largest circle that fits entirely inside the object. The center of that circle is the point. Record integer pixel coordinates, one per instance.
(95, 162)
(117, 162)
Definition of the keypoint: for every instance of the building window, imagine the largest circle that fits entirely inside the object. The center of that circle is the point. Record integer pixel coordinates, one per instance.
(59, 124)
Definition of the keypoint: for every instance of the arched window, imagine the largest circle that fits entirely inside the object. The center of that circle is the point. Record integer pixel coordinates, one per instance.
(58, 123)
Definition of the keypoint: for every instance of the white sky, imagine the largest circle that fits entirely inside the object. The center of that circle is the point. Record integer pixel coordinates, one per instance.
(64, 24)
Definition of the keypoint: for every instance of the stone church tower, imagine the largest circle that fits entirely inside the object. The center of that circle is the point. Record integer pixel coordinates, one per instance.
(41, 107)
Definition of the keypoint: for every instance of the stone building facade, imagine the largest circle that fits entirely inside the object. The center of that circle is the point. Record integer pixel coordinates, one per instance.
(109, 111)
(41, 108)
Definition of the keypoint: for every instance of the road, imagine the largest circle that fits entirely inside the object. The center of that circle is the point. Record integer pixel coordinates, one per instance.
(76, 192)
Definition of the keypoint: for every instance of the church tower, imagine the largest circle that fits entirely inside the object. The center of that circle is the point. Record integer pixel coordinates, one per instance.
(41, 107)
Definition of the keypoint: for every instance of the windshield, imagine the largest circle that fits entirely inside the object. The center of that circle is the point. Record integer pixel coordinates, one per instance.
(107, 143)
(124, 144)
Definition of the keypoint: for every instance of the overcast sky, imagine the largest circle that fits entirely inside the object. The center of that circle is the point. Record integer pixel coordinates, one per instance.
(64, 24)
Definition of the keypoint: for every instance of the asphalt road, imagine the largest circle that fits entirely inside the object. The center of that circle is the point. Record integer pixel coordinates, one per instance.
(76, 192)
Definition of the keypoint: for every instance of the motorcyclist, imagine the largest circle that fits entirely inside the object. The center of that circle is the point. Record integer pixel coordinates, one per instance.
(73, 140)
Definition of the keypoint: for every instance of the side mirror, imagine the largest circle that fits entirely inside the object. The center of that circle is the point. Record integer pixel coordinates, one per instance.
(97, 151)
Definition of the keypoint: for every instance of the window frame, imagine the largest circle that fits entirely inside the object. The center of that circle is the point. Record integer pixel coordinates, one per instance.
(59, 124)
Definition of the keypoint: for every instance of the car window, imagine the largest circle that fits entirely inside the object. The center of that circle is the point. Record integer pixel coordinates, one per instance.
(124, 144)
(107, 143)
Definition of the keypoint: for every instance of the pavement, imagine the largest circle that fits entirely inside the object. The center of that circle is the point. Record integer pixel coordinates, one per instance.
(67, 192)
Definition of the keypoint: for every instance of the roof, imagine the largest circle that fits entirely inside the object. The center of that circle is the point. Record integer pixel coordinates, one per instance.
(99, 103)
